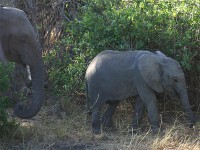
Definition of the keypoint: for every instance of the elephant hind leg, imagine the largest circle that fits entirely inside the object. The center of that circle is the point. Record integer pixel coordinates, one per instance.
(107, 120)
(2, 55)
(95, 109)
(96, 125)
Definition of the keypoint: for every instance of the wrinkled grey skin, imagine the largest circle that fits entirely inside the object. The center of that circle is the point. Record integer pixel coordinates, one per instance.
(18, 43)
(113, 76)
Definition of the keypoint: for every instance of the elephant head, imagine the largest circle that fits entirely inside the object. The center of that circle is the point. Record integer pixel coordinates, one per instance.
(162, 73)
(18, 43)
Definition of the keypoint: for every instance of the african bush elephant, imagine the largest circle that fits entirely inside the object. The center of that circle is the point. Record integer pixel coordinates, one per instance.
(113, 76)
(18, 43)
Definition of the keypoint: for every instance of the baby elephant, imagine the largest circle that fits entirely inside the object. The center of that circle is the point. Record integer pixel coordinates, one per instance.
(113, 76)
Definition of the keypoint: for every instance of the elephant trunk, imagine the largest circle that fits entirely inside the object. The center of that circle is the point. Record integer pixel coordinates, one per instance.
(186, 106)
(37, 74)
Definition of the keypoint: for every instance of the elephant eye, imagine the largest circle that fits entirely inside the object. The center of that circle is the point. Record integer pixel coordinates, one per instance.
(175, 80)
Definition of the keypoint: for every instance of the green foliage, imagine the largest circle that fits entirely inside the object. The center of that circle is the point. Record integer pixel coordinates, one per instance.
(66, 71)
(171, 26)
(5, 124)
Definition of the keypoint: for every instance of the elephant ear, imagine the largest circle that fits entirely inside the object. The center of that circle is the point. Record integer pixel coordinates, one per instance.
(150, 71)
(160, 54)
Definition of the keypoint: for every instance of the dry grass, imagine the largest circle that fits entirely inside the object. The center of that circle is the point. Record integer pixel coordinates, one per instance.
(51, 130)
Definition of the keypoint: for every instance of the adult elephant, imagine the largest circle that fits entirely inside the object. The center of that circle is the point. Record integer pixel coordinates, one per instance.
(18, 43)
(113, 76)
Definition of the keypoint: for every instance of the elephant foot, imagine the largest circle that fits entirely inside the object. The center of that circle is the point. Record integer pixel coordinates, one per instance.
(96, 128)
(156, 130)
(107, 123)
(191, 124)
(109, 129)
(135, 129)
(96, 131)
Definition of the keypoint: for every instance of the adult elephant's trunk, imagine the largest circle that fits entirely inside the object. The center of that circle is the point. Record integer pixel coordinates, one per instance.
(182, 90)
(37, 74)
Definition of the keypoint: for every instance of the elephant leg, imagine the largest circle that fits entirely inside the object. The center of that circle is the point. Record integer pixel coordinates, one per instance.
(95, 109)
(96, 126)
(138, 113)
(150, 101)
(107, 116)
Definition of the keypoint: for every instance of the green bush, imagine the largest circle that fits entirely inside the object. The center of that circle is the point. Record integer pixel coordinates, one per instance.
(171, 26)
(66, 72)
(5, 124)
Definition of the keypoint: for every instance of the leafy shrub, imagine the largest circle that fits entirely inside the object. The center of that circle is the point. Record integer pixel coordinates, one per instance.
(66, 72)
(171, 26)
(5, 124)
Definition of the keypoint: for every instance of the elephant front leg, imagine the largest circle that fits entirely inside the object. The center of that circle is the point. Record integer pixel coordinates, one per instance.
(150, 101)
(138, 113)
(107, 120)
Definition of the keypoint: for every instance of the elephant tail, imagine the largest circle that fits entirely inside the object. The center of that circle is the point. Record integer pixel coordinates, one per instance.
(87, 99)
